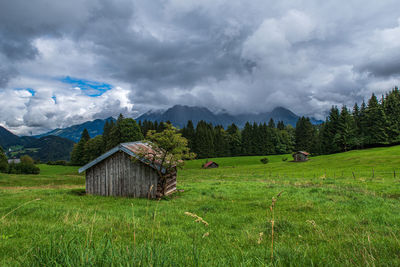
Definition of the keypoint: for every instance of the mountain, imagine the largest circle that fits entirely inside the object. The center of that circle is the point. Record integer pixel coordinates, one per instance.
(178, 115)
(45, 148)
(49, 148)
(8, 139)
(74, 132)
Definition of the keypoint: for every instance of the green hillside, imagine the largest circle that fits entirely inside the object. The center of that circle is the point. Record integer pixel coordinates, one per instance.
(325, 216)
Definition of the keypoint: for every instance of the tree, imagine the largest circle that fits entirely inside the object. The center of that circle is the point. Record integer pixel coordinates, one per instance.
(329, 131)
(108, 126)
(392, 112)
(221, 142)
(304, 135)
(189, 133)
(78, 152)
(344, 137)
(125, 130)
(204, 140)
(26, 166)
(376, 123)
(247, 141)
(3, 161)
(168, 151)
(234, 140)
(93, 148)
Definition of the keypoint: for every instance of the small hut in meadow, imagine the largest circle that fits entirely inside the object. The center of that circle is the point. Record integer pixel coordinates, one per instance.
(210, 165)
(122, 172)
(300, 156)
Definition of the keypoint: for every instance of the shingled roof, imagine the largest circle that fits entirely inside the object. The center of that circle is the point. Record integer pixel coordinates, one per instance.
(133, 149)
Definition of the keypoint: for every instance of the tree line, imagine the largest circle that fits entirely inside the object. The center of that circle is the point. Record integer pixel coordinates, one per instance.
(371, 124)
(375, 123)
(25, 166)
(114, 133)
(209, 141)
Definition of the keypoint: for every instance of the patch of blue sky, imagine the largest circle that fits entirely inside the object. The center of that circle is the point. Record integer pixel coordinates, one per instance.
(30, 90)
(89, 88)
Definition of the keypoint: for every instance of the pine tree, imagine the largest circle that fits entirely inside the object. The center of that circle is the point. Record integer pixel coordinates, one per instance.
(189, 133)
(271, 123)
(78, 152)
(93, 148)
(344, 137)
(108, 126)
(234, 140)
(280, 126)
(247, 140)
(304, 135)
(376, 123)
(125, 130)
(204, 140)
(329, 131)
(3, 161)
(363, 124)
(221, 142)
(392, 112)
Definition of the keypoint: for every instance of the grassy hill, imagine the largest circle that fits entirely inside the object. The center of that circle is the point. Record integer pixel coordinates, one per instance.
(334, 210)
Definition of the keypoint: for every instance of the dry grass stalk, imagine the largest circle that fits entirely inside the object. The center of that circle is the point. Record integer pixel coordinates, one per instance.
(198, 218)
(260, 237)
(26, 203)
(273, 222)
(206, 234)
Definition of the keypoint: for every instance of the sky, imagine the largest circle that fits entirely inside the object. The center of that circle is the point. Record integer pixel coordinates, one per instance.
(66, 62)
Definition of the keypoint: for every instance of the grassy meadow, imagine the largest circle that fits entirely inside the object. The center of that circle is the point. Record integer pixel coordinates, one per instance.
(335, 210)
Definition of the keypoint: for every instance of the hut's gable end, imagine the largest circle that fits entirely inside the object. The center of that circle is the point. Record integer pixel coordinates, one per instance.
(118, 175)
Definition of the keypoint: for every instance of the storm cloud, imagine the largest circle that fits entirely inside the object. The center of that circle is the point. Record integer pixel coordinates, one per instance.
(239, 56)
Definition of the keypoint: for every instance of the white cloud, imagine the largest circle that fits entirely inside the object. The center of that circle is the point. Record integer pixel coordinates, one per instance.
(241, 56)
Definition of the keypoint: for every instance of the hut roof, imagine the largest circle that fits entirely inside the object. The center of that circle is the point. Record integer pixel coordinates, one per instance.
(302, 152)
(209, 163)
(133, 149)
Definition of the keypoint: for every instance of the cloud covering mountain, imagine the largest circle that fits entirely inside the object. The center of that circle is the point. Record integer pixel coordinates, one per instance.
(67, 62)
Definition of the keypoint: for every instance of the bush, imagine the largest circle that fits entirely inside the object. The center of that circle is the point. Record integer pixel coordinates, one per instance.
(58, 162)
(264, 160)
(26, 166)
(3, 161)
(284, 159)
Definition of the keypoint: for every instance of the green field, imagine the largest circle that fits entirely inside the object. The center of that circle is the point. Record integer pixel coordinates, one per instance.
(335, 210)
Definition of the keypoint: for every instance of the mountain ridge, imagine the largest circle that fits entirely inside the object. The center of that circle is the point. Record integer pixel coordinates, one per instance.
(179, 115)
(73, 133)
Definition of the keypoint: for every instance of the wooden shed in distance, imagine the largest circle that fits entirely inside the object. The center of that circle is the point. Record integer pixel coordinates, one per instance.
(210, 165)
(300, 156)
(117, 173)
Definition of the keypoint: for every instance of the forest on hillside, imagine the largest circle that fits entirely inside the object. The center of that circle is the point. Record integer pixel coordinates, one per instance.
(375, 123)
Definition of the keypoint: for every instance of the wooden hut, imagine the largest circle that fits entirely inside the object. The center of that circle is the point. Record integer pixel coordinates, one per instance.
(300, 156)
(122, 172)
(210, 165)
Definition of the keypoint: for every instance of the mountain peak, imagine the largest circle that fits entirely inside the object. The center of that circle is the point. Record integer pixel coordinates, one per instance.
(179, 115)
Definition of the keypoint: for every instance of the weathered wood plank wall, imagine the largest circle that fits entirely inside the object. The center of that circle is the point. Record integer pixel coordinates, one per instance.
(118, 175)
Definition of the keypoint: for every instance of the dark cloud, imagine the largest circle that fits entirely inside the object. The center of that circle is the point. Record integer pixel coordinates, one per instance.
(234, 55)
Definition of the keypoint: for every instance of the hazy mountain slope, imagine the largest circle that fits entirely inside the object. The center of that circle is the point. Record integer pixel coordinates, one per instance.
(74, 132)
(179, 115)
